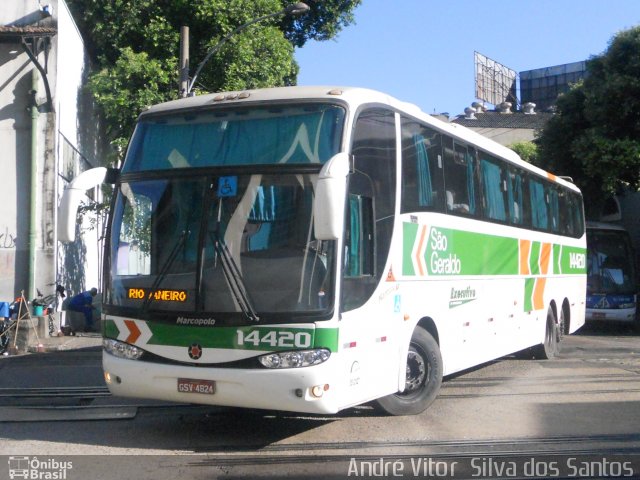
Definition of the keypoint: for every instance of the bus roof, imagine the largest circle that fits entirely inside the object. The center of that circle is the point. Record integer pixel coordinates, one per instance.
(354, 97)
(605, 226)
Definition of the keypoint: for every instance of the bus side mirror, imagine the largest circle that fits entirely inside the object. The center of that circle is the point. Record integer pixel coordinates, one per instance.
(329, 200)
(72, 196)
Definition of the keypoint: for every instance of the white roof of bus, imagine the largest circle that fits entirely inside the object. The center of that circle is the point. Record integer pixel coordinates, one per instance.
(354, 96)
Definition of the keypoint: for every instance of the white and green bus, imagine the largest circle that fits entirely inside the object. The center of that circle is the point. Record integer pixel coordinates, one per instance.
(310, 249)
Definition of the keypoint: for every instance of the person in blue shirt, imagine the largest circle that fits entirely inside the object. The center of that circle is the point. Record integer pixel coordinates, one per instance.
(83, 303)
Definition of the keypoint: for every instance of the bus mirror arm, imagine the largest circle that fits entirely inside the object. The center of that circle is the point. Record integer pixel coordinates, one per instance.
(73, 194)
(329, 200)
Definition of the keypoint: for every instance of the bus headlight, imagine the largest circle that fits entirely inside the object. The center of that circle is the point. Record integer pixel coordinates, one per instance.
(121, 349)
(300, 358)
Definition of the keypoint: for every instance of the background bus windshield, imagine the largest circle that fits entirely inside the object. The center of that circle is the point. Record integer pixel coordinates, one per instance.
(610, 262)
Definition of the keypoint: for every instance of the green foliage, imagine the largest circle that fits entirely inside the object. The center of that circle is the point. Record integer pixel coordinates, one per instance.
(135, 47)
(124, 89)
(595, 136)
(528, 151)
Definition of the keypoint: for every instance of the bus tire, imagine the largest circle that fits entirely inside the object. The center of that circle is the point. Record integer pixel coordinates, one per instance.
(550, 347)
(424, 377)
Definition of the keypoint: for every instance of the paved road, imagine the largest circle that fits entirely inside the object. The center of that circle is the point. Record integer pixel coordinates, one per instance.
(587, 402)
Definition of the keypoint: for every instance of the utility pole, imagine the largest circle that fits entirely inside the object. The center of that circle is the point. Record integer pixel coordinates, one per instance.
(184, 61)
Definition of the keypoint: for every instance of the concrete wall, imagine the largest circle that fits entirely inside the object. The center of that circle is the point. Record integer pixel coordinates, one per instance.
(67, 143)
(15, 155)
(78, 149)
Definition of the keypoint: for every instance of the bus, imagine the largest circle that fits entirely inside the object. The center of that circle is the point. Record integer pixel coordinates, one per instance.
(611, 273)
(311, 249)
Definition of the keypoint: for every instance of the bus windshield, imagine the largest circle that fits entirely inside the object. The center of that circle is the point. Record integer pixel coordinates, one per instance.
(278, 134)
(610, 266)
(240, 244)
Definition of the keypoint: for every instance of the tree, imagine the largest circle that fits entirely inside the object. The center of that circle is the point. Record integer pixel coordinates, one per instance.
(595, 135)
(134, 45)
(528, 151)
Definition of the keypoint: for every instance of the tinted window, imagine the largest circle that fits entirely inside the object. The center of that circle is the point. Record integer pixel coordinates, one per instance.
(538, 202)
(494, 189)
(422, 182)
(459, 173)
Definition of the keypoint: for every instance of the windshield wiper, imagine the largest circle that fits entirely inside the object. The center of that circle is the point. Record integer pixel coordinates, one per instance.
(234, 279)
(165, 270)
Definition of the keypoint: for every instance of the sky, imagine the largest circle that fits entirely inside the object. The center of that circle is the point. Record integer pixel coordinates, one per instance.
(422, 51)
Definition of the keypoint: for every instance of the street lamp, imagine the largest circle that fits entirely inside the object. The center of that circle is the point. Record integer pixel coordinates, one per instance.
(297, 8)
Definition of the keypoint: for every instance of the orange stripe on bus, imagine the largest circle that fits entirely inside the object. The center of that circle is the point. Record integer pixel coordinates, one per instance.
(525, 248)
(551, 177)
(538, 293)
(545, 257)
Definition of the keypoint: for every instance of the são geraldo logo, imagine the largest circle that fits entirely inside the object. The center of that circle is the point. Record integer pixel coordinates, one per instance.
(40, 469)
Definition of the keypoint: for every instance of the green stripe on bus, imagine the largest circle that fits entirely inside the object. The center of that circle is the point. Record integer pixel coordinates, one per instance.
(573, 260)
(409, 234)
(459, 252)
(272, 338)
(534, 258)
(326, 338)
(529, 285)
(557, 255)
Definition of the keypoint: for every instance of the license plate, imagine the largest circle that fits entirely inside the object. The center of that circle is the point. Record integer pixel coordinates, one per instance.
(191, 385)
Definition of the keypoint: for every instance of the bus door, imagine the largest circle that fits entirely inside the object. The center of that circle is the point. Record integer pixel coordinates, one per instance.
(369, 306)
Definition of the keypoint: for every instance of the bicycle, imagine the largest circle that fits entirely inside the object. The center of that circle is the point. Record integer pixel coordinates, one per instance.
(50, 304)
(8, 325)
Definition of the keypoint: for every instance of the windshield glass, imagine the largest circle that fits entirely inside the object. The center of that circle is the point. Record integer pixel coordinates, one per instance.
(610, 266)
(278, 134)
(220, 244)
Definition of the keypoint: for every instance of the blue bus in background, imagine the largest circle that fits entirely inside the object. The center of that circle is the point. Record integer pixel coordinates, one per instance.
(611, 273)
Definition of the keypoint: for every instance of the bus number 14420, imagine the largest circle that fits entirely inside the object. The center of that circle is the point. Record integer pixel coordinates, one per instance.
(274, 338)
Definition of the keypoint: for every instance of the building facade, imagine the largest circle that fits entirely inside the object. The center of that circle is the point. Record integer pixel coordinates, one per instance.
(502, 125)
(48, 134)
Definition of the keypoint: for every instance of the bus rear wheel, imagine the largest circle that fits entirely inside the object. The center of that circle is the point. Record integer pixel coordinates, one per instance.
(423, 380)
(550, 348)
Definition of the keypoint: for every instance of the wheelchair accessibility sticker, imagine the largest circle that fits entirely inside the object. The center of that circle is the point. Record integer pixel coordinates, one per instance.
(227, 186)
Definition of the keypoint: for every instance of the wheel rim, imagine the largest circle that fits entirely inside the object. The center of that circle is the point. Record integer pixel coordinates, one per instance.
(561, 326)
(417, 371)
(551, 335)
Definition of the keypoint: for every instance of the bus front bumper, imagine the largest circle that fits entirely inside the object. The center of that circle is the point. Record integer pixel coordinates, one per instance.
(305, 389)
(611, 314)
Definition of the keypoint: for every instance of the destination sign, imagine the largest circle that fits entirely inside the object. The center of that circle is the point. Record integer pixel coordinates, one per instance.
(158, 295)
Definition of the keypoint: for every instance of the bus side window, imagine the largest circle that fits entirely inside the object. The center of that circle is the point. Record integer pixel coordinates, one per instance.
(539, 213)
(493, 191)
(577, 214)
(359, 241)
(422, 182)
(551, 196)
(565, 214)
(459, 173)
(515, 197)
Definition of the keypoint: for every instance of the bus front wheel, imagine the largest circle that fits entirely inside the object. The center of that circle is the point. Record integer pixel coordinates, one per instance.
(423, 380)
